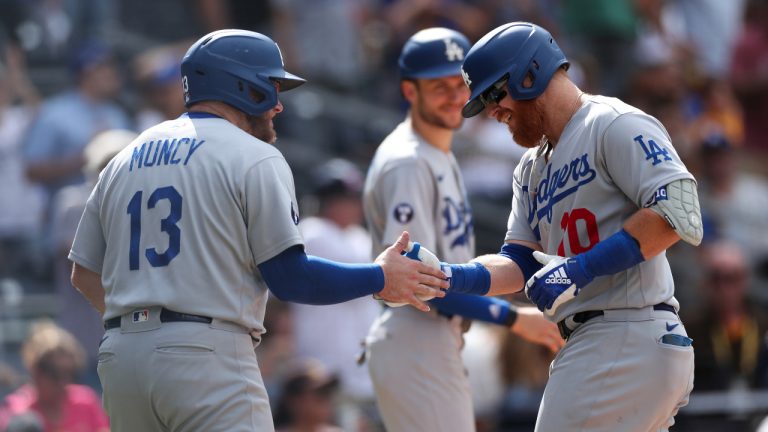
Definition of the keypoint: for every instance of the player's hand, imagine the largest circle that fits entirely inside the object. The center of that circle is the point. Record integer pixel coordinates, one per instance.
(558, 282)
(533, 327)
(405, 278)
(416, 251)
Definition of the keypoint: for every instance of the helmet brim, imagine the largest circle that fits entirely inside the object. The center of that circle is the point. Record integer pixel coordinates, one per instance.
(288, 81)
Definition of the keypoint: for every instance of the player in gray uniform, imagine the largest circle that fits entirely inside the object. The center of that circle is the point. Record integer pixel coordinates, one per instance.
(414, 183)
(182, 236)
(598, 198)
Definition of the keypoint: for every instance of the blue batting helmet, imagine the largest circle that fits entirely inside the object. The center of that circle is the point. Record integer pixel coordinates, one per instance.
(433, 53)
(238, 67)
(515, 49)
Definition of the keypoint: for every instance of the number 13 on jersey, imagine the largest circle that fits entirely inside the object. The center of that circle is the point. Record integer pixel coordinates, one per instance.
(167, 225)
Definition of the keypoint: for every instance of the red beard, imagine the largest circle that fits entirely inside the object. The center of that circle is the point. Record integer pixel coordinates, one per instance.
(527, 123)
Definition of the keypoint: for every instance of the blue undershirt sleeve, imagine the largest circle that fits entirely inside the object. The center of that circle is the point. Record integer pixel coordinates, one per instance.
(488, 309)
(297, 277)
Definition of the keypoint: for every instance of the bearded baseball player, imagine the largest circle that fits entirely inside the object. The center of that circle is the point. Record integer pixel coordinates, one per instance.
(182, 236)
(414, 183)
(598, 198)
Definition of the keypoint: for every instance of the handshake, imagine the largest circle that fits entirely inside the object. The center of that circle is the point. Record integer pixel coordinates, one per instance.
(412, 275)
(558, 282)
(414, 251)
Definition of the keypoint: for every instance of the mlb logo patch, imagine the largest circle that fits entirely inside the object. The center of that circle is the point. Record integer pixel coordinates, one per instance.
(140, 315)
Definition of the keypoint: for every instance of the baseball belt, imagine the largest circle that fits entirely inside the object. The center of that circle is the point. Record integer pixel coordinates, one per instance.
(166, 315)
(582, 317)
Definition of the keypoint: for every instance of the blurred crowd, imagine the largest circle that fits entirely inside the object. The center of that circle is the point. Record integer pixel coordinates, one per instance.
(78, 79)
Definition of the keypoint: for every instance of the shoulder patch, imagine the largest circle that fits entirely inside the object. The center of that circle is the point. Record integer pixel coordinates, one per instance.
(403, 213)
(294, 214)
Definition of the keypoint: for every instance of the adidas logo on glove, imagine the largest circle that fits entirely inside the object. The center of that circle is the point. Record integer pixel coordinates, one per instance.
(558, 277)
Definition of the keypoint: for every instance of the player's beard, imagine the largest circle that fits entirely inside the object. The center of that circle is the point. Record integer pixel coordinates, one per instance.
(261, 127)
(527, 123)
(433, 118)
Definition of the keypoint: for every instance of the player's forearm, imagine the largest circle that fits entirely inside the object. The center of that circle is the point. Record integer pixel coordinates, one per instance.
(89, 285)
(651, 231)
(296, 277)
(487, 309)
(506, 277)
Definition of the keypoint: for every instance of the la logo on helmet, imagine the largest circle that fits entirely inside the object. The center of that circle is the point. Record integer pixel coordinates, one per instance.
(465, 75)
(453, 51)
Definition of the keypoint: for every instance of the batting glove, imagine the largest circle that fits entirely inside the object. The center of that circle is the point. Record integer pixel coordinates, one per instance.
(558, 282)
(416, 252)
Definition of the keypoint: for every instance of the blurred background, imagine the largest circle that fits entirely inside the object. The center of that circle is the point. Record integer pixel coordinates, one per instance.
(73, 72)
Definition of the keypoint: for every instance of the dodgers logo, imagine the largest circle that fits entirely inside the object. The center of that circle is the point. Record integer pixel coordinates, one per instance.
(557, 185)
(453, 51)
(653, 151)
(458, 219)
(465, 77)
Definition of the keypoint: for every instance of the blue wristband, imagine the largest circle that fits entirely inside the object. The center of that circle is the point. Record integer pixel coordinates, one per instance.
(471, 278)
(610, 256)
(523, 257)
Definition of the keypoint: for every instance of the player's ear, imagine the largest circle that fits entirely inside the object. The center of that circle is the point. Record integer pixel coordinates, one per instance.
(408, 88)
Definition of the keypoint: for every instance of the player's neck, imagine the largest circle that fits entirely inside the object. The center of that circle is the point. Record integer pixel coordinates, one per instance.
(222, 110)
(563, 99)
(436, 136)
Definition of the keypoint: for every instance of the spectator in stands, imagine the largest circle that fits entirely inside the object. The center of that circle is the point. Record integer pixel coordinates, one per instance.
(157, 74)
(749, 75)
(336, 233)
(53, 358)
(728, 335)
(74, 313)
(306, 400)
(733, 202)
(21, 203)
(67, 122)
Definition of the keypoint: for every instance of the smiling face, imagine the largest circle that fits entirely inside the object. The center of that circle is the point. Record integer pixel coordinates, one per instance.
(437, 101)
(524, 118)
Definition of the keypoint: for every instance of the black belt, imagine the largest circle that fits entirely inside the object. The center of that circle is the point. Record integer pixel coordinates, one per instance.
(585, 316)
(166, 315)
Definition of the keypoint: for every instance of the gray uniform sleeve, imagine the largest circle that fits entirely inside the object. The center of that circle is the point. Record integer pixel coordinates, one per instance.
(271, 209)
(518, 227)
(638, 156)
(89, 246)
(407, 192)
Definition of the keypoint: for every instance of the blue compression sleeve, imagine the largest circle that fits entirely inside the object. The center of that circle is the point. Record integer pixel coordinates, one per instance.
(297, 277)
(523, 257)
(472, 278)
(488, 309)
(612, 255)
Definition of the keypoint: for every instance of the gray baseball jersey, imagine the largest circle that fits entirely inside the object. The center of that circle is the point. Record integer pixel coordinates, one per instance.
(412, 185)
(617, 368)
(182, 217)
(596, 178)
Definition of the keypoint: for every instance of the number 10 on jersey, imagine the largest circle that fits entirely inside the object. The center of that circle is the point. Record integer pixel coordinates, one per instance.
(569, 224)
(167, 225)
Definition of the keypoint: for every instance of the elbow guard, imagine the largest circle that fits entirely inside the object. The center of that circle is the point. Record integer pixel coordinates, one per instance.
(678, 203)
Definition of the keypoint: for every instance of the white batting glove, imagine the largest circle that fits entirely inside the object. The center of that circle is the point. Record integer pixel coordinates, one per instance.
(419, 253)
(557, 283)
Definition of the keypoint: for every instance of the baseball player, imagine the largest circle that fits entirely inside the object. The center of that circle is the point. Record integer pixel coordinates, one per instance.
(186, 230)
(414, 183)
(598, 198)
